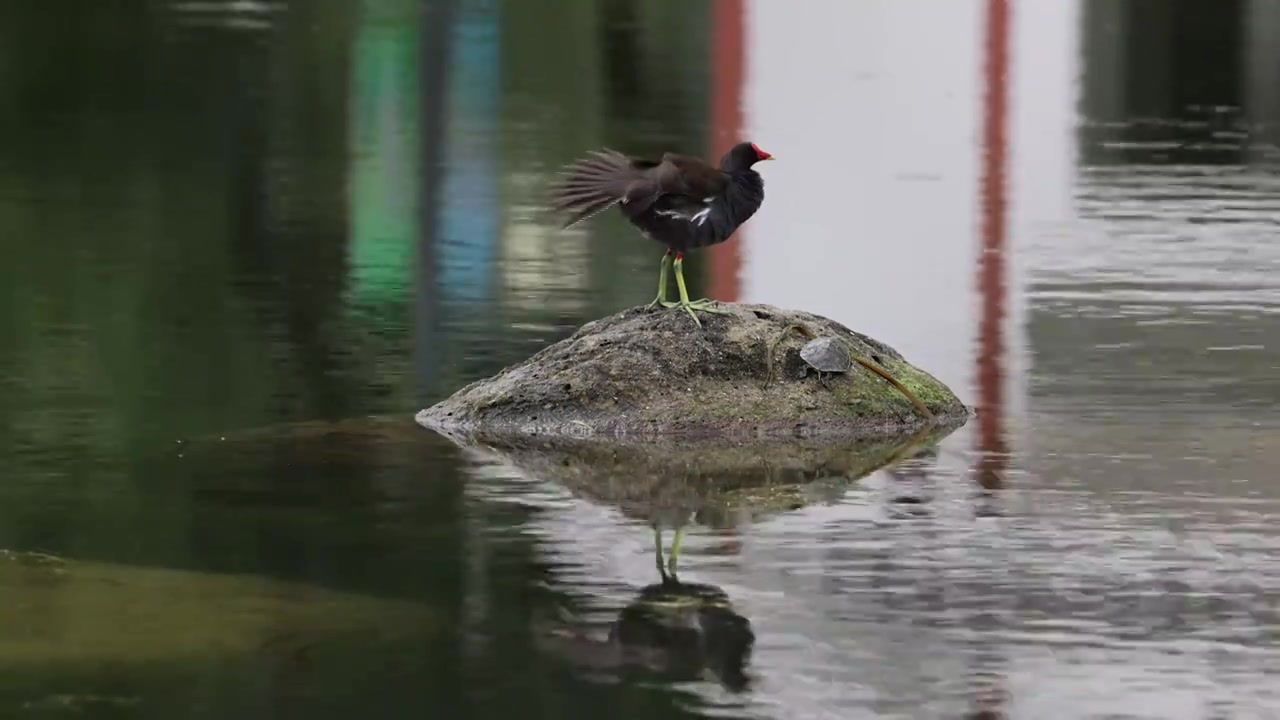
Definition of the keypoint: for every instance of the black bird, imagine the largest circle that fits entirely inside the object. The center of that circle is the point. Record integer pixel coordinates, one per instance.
(680, 201)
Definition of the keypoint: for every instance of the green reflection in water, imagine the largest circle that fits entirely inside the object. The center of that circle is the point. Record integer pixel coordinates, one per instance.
(384, 152)
(189, 215)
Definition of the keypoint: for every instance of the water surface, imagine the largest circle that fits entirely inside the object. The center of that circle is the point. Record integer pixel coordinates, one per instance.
(245, 242)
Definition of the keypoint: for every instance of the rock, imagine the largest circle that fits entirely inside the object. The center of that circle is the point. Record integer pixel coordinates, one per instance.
(135, 619)
(646, 372)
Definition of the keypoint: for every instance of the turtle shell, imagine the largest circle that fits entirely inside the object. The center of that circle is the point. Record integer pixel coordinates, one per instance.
(826, 354)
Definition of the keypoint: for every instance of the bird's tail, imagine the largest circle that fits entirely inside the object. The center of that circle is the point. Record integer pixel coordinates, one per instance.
(593, 184)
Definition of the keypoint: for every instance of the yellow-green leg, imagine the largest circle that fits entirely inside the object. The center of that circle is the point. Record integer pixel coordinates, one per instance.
(662, 283)
(689, 306)
(668, 569)
(675, 551)
(657, 551)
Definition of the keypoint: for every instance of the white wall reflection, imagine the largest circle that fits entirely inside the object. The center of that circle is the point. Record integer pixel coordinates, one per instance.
(874, 110)
(871, 206)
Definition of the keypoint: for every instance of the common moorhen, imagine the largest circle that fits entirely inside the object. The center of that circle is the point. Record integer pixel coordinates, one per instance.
(682, 202)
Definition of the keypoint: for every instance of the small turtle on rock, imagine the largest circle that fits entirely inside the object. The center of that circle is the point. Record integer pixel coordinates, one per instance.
(826, 355)
(829, 354)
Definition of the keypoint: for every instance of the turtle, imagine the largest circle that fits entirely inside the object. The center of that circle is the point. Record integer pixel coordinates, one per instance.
(826, 354)
(829, 354)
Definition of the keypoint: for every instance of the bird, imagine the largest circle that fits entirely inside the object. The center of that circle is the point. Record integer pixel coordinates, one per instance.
(681, 201)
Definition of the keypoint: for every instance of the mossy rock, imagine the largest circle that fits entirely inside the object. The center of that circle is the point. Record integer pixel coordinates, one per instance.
(645, 372)
(63, 614)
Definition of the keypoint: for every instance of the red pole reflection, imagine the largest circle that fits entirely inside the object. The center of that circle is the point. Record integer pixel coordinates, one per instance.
(724, 261)
(727, 30)
(991, 266)
(991, 698)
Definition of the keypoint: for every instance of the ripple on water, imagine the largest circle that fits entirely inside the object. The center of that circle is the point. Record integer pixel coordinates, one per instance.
(856, 609)
(1165, 235)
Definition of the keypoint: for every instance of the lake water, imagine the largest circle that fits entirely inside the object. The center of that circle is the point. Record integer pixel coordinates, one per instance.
(246, 241)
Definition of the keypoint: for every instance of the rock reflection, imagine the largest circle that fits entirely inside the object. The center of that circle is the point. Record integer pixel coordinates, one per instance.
(675, 630)
(713, 483)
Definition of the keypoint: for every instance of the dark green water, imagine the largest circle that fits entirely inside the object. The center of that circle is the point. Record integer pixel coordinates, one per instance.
(243, 246)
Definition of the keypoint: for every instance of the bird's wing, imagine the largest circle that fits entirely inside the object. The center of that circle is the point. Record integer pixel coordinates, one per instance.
(595, 183)
(679, 201)
(692, 176)
(678, 187)
(678, 182)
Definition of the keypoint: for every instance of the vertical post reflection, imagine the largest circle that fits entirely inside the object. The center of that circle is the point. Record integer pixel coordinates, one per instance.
(727, 58)
(724, 261)
(990, 698)
(384, 134)
(991, 270)
(1261, 58)
(469, 214)
(435, 19)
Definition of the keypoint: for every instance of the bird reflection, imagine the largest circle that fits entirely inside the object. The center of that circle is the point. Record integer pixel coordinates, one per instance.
(684, 629)
(677, 630)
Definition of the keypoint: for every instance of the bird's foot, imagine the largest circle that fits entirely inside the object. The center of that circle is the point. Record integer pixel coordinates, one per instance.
(706, 305)
(697, 304)
(664, 302)
(703, 305)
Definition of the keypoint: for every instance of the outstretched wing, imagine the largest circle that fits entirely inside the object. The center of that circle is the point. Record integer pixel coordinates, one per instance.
(593, 184)
(676, 200)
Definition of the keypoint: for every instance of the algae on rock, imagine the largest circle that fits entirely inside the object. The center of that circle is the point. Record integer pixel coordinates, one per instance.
(653, 372)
